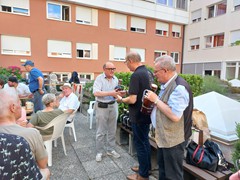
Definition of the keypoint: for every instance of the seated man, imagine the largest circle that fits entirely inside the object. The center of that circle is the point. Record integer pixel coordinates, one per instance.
(17, 161)
(22, 89)
(69, 102)
(42, 118)
(10, 111)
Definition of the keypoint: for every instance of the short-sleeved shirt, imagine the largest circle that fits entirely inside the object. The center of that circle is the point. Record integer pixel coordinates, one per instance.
(70, 102)
(139, 81)
(23, 89)
(101, 83)
(43, 118)
(33, 82)
(32, 136)
(17, 161)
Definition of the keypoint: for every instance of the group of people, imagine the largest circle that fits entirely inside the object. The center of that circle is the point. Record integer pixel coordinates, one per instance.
(26, 154)
(171, 115)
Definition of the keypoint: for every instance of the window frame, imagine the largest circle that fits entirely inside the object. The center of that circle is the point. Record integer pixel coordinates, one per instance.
(140, 51)
(59, 54)
(93, 51)
(213, 40)
(11, 8)
(61, 17)
(93, 19)
(162, 31)
(194, 45)
(138, 29)
(161, 53)
(112, 53)
(215, 9)
(114, 17)
(195, 18)
(13, 51)
(173, 55)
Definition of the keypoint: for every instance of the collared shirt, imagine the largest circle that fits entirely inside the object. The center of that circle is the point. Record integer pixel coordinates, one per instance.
(178, 100)
(70, 102)
(102, 83)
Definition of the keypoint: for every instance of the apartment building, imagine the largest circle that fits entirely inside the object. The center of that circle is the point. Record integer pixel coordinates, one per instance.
(78, 35)
(212, 39)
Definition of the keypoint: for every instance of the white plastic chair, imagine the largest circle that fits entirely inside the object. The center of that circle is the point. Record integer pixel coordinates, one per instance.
(71, 124)
(90, 112)
(58, 124)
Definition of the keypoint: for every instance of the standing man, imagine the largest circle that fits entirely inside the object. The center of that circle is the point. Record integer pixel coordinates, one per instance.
(140, 80)
(36, 85)
(172, 114)
(106, 111)
(22, 89)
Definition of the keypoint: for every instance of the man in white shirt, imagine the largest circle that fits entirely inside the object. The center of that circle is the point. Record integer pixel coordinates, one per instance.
(22, 89)
(69, 102)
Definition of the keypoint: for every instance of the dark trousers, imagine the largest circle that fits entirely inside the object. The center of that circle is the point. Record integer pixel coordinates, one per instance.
(170, 162)
(143, 148)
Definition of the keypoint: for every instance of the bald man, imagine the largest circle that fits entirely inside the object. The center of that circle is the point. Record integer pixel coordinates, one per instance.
(106, 111)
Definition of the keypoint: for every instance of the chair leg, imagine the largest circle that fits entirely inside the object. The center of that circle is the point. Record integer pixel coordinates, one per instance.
(70, 132)
(91, 119)
(63, 144)
(74, 132)
(48, 145)
(55, 143)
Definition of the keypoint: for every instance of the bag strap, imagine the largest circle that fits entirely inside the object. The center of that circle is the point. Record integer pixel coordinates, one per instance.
(201, 156)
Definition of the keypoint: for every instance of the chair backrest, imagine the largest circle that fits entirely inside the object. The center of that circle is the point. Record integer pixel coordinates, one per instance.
(58, 124)
(71, 116)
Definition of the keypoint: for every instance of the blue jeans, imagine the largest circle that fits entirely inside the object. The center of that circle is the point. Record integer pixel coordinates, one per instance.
(143, 148)
(37, 101)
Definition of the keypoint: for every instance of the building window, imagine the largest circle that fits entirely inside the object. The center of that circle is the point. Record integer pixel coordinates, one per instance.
(194, 43)
(61, 49)
(196, 16)
(86, 16)
(162, 29)
(159, 54)
(175, 56)
(87, 51)
(141, 52)
(181, 4)
(15, 6)
(215, 40)
(118, 21)
(236, 5)
(235, 38)
(89, 76)
(58, 12)
(166, 2)
(138, 25)
(13, 45)
(217, 9)
(176, 31)
(117, 53)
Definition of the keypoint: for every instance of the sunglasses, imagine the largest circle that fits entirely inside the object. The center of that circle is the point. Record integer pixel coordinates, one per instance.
(111, 69)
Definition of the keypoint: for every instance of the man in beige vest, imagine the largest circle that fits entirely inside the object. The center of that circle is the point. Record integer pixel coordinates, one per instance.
(171, 118)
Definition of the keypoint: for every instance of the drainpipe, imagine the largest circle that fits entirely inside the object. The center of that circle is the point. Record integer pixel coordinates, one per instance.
(181, 67)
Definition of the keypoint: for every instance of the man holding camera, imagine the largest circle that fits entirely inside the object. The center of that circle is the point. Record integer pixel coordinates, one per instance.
(106, 111)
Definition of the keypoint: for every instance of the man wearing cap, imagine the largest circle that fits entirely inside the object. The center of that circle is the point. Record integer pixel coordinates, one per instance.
(36, 84)
(22, 89)
(69, 102)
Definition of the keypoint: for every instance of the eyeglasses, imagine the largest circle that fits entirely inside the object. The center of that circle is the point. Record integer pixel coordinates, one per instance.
(125, 62)
(111, 69)
(156, 71)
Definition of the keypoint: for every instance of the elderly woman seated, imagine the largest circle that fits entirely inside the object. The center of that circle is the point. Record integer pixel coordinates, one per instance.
(42, 118)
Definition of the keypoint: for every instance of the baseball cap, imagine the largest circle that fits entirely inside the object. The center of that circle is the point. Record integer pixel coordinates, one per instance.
(28, 62)
(13, 79)
(66, 85)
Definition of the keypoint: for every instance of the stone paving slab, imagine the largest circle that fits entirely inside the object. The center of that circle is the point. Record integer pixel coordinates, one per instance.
(80, 163)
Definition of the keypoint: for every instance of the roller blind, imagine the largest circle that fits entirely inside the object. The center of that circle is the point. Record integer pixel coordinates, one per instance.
(138, 22)
(16, 3)
(162, 26)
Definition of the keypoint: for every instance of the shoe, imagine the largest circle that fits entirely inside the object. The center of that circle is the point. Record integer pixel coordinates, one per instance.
(136, 169)
(136, 177)
(99, 157)
(113, 154)
(132, 176)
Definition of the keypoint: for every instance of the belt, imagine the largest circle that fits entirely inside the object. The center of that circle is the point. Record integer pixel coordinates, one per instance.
(35, 91)
(111, 102)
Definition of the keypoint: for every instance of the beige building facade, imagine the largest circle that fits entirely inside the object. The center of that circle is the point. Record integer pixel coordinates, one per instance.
(212, 39)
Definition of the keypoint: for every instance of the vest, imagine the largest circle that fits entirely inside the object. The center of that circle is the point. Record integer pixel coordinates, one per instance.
(169, 133)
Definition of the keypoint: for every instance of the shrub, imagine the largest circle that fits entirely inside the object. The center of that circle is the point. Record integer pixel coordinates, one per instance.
(5, 73)
(213, 83)
(236, 153)
(195, 82)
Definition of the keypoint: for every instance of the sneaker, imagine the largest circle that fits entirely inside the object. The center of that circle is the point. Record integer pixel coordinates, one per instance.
(113, 154)
(99, 157)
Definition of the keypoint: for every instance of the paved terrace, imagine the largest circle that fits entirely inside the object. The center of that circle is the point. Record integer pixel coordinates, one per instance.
(80, 160)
